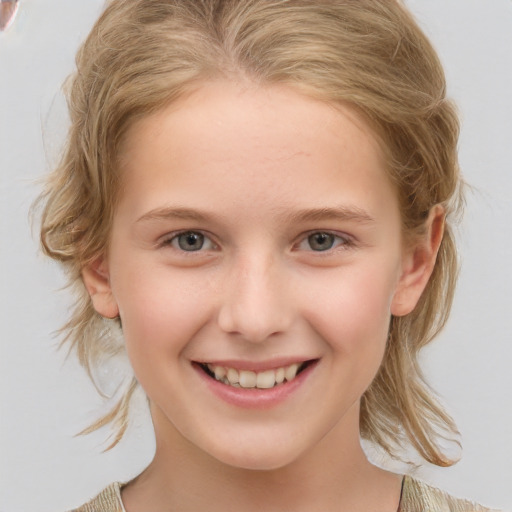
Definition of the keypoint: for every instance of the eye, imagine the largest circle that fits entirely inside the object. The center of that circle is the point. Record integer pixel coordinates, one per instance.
(322, 241)
(190, 241)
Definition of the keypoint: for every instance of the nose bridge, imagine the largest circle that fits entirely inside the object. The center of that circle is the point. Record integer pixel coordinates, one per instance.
(255, 302)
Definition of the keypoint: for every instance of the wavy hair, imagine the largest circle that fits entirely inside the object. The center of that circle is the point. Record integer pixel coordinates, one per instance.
(142, 55)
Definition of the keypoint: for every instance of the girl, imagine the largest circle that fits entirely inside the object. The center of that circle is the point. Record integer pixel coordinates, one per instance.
(258, 194)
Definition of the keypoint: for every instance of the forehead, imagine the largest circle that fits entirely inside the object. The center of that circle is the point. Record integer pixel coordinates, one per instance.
(272, 146)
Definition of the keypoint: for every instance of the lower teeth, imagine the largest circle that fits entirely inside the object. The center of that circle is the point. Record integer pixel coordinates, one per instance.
(237, 384)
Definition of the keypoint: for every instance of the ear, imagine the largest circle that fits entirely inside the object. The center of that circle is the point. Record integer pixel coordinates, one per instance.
(97, 282)
(418, 264)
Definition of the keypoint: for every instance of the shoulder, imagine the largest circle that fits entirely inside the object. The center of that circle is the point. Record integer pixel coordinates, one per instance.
(108, 500)
(419, 496)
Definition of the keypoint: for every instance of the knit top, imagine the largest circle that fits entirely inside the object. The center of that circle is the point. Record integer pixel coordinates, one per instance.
(417, 496)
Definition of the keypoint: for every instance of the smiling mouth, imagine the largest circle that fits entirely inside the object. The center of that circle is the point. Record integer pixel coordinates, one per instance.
(266, 379)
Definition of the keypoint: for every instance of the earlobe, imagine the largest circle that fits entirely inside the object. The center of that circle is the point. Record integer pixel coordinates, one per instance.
(97, 282)
(418, 264)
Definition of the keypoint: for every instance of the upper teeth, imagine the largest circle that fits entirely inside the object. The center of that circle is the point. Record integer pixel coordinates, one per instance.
(248, 379)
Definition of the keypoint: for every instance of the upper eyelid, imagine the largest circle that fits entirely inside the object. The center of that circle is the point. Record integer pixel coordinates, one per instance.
(338, 234)
(168, 237)
(299, 239)
(341, 234)
(348, 243)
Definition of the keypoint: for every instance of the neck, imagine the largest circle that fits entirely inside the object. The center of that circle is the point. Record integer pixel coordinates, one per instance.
(333, 476)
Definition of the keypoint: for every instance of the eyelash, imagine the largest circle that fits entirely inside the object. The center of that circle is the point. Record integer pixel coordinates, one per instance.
(174, 237)
(342, 242)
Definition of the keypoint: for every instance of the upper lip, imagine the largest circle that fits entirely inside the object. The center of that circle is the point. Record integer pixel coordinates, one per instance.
(257, 366)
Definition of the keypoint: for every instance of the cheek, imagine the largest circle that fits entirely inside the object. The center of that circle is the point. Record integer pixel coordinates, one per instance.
(352, 311)
(160, 313)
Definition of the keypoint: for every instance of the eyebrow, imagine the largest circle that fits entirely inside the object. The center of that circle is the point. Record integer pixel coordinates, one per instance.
(345, 213)
(174, 213)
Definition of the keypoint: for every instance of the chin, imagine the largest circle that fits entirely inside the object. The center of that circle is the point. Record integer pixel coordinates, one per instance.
(257, 463)
(258, 458)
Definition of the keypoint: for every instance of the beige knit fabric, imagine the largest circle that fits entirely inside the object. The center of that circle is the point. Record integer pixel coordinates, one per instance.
(108, 500)
(416, 497)
(420, 497)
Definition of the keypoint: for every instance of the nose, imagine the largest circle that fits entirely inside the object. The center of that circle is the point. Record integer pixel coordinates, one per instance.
(256, 303)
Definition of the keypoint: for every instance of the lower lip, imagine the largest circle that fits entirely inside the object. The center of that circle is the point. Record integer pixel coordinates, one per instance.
(254, 398)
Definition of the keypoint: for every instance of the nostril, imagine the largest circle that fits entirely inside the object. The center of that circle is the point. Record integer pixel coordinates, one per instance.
(254, 325)
(255, 304)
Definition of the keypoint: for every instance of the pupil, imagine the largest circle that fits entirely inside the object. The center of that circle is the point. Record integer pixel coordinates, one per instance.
(321, 241)
(191, 241)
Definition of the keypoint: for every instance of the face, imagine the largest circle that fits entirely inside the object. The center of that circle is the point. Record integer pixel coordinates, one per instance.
(255, 260)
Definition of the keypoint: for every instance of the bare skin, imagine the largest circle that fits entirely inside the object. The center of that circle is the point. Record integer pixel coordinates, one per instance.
(257, 228)
(340, 482)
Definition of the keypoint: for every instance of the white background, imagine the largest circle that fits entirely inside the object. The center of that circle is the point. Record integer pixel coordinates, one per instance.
(45, 401)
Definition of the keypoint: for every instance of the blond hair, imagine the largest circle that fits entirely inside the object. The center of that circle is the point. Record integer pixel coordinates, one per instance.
(143, 54)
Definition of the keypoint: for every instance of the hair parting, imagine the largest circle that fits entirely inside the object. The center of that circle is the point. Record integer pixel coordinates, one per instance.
(142, 55)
